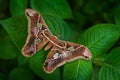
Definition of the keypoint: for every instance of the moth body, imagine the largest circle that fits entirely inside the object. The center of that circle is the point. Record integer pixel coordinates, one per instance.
(60, 53)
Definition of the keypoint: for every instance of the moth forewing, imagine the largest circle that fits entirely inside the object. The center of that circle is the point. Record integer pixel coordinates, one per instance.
(34, 41)
(29, 48)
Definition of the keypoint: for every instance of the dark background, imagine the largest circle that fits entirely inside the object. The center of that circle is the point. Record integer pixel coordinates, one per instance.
(93, 23)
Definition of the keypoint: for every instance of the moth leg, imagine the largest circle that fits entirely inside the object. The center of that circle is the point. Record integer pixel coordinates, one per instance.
(48, 46)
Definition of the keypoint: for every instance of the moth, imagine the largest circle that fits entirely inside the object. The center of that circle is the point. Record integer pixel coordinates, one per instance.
(39, 36)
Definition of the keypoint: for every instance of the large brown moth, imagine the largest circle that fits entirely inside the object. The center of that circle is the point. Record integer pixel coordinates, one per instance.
(60, 51)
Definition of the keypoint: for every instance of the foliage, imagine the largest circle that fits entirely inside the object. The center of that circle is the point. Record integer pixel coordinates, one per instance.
(95, 24)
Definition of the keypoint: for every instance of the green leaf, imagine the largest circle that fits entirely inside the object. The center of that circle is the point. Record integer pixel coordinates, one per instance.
(95, 72)
(7, 65)
(111, 68)
(90, 7)
(54, 7)
(100, 38)
(36, 64)
(22, 60)
(78, 70)
(79, 21)
(77, 4)
(16, 28)
(58, 27)
(7, 49)
(3, 33)
(17, 7)
(117, 15)
(109, 16)
(20, 74)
